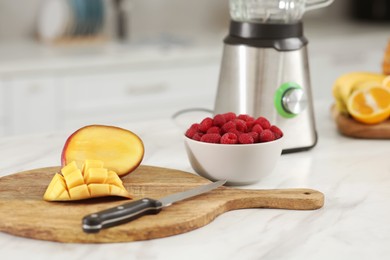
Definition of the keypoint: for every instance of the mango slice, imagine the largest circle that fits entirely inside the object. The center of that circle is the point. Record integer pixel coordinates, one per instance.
(119, 149)
(93, 181)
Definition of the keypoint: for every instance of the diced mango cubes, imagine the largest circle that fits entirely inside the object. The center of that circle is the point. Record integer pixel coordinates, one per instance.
(69, 168)
(96, 175)
(93, 181)
(91, 164)
(99, 189)
(79, 192)
(57, 187)
(74, 179)
(114, 179)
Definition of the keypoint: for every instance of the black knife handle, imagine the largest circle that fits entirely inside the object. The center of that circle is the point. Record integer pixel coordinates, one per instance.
(121, 214)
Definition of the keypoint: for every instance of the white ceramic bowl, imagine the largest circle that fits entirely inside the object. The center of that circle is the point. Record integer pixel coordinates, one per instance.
(239, 164)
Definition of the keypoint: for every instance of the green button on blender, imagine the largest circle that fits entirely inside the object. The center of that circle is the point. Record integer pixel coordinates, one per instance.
(290, 100)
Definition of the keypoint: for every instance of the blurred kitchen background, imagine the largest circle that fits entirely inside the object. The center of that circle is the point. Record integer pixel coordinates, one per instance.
(134, 60)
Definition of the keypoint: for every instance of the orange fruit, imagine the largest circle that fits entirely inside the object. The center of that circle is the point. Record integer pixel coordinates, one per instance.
(370, 105)
(386, 82)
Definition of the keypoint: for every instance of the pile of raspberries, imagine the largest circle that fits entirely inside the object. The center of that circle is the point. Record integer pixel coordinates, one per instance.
(229, 128)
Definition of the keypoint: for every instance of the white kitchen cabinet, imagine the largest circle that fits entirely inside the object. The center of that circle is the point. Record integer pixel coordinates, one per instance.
(123, 96)
(30, 105)
(67, 100)
(61, 89)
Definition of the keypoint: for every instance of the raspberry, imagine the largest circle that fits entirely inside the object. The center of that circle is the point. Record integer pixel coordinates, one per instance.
(213, 130)
(277, 132)
(255, 136)
(250, 124)
(219, 120)
(245, 139)
(229, 138)
(211, 138)
(194, 128)
(227, 126)
(257, 128)
(263, 122)
(197, 136)
(205, 124)
(241, 125)
(246, 118)
(229, 116)
(234, 131)
(266, 136)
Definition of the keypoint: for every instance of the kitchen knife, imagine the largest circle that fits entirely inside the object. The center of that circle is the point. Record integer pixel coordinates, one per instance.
(124, 213)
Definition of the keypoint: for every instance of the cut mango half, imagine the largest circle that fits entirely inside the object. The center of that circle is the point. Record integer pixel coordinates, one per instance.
(91, 182)
(370, 105)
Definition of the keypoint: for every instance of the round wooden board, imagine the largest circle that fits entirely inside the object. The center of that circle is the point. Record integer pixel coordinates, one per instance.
(349, 127)
(23, 212)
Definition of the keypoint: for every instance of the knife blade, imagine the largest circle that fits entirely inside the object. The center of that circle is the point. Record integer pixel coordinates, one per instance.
(124, 213)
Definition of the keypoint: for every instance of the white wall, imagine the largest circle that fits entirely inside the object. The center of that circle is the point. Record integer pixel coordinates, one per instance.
(17, 18)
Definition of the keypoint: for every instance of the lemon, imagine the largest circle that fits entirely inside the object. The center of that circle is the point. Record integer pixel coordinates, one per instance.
(370, 105)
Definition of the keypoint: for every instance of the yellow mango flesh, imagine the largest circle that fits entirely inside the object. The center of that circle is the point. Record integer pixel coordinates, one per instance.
(64, 195)
(69, 168)
(96, 175)
(91, 164)
(74, 179)
(56, 188)
(79, 192)
(114, 179)
(99, 189)
(94, 181)
(121, 150)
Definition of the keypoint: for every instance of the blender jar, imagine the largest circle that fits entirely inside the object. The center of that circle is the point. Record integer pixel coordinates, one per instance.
(272, 11)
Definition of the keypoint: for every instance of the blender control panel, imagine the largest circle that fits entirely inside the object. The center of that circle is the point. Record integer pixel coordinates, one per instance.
(290, 99)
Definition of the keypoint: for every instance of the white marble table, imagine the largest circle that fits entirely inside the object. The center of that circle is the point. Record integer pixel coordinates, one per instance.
(353, 174)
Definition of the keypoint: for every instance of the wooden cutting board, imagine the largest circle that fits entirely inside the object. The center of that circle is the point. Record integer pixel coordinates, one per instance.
(347, 126)
(24, 213)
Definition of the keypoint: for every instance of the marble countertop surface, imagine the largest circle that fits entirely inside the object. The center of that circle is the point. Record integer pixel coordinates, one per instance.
(353, 174)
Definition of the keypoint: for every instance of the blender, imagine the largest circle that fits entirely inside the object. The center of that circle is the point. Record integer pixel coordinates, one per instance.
(265, 69)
